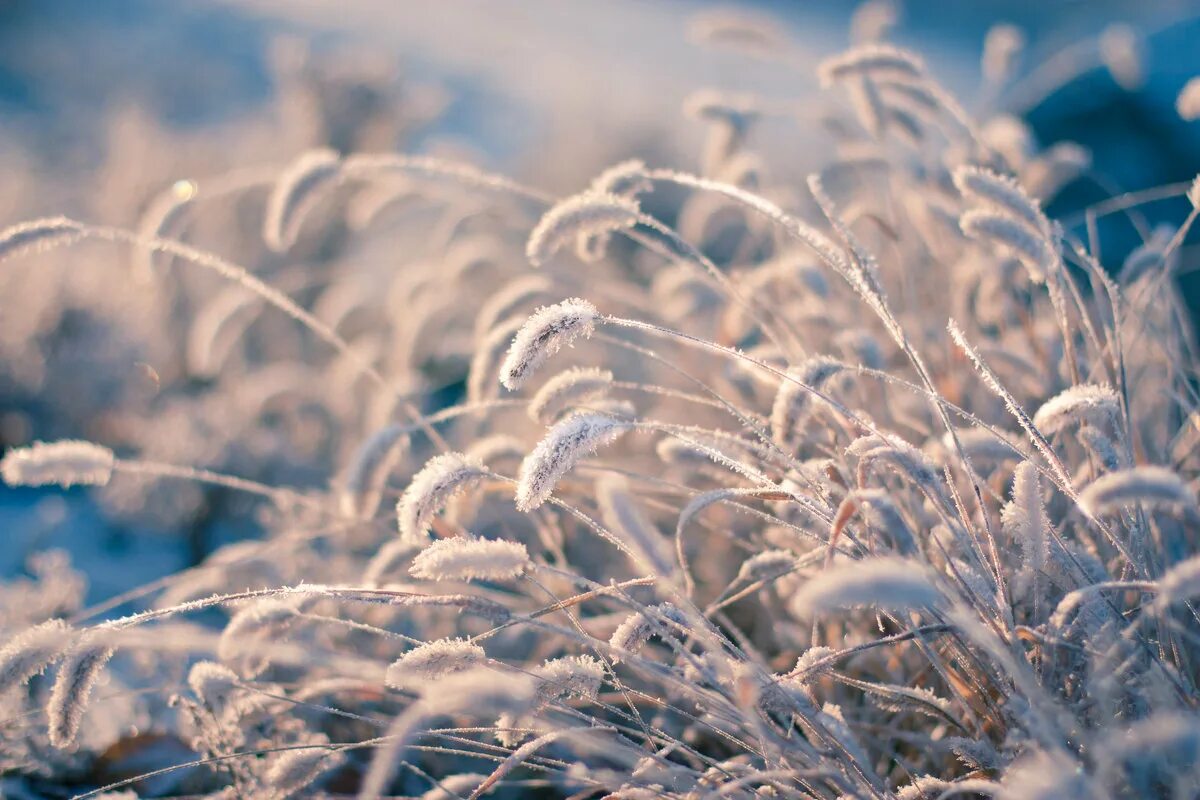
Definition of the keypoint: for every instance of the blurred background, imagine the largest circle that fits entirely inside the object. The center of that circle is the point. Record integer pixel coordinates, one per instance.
(103, 104)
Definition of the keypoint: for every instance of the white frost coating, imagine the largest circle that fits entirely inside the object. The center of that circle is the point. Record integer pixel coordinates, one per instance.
(68, 462)
(463, 559)
(294, 194)
(632, 634)
(792, 399)
(1149, 486)
(1093, 404)
(212, 683)
(1000, 229)
(557, 453)
(626, 179)
(31, 651)
(876, 61)
(543, 335)
(887, 583)
(570, 675)
(439, 480)
(38, 234)
(583, 215)
(1002, 194)
(567, 388)
(433, 661)
(73, 689)
(1180, 582)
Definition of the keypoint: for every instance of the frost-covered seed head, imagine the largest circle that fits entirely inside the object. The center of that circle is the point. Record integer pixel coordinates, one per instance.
(1149, 486)
(465, 559)
(872, 19)
(571, 675)
(570, 387)
(886, 583)
(543, 335)
(1002, 194)
(792, 399)
(72, 690)
(632, 634)
(31, 651)
(68, 462)
(212, 683)
(876, 61)
(1093, 404)
(1024, 519)
(1121, 52)
(439, 480)
(294, 770)
(814, 662)
(626, 179)
(767, 564)
(584, 215)
(1002, 230)
(1181, 582)
(433, 661)
(294, 193)
(559, 450)
(896, 453)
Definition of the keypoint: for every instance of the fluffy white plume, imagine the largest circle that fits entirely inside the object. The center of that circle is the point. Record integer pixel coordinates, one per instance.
(559, 450)
(1148, 486)
(212, 683)
(433, 661)
(72, 690)
(1001, 193)
(1180, 582)
(31, 651)
(68, 462)
(876, 61)
(543, 335)
(439, 480)
(793, 399)
(1089, 403)
(465, 559)
(887, 583)
(632, 634)
(1000, 229)
(294, 193)
(580, 676)
(584, 215)
(570, 387)
(292, 771)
